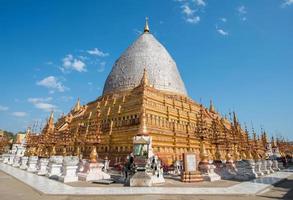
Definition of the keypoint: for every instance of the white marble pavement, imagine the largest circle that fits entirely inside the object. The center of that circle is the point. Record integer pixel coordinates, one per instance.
(48, 186)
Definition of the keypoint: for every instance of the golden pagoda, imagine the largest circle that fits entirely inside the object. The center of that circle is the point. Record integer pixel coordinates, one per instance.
(145, 76)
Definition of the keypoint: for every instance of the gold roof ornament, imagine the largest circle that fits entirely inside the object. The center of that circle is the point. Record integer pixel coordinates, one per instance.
(146, 26)
(77, 106)
(51, 118)
(235, 119)
(265, 137)
(144, 80)
(274, 144)
(212, 108)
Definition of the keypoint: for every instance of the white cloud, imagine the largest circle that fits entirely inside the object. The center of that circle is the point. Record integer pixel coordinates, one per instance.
(222, 32)
(200, 2)
(71, 63)
(35, 100)
(3, 108)
(187, 10)
(83, 57)
(193, 20)
(287, 3)
(66, 98)
(191, 9)
(19, 114)
(78, 65)
(241, 10)
(52, 83)
(102, 66)
(67, 60)
(223, 19)
(97, 52)
(42, 103)
(45, 106)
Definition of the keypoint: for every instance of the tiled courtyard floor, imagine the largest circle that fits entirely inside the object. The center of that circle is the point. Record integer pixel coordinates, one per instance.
(11, 188)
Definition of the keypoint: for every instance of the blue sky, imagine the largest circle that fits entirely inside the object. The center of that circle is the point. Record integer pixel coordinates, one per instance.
(237, 53)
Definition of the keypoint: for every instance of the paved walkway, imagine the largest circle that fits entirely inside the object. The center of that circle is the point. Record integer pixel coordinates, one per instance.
(11, 188)
(51, 187)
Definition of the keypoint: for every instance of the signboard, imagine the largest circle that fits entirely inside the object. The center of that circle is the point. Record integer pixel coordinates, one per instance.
(189, 162)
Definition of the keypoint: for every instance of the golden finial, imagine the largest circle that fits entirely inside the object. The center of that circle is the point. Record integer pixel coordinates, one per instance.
(273, 141)
(77, 105)
(144, 80)
(51, 118)
(265, 137)
(146, 27)
(212, 108)
(235, 120)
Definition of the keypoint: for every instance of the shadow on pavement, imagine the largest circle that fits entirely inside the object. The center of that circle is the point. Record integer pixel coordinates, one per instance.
(285, 186)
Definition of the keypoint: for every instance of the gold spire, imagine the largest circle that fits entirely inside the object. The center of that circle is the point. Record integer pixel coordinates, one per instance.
(203, 152)
(51, 121)
(212, 108)
(146, 27)
(273, 141)
(265, 137)
(144, 80)
(77, 105)
(51, 118)
(235, 120)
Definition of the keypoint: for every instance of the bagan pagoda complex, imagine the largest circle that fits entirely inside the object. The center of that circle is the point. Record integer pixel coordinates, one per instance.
(145, 95)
